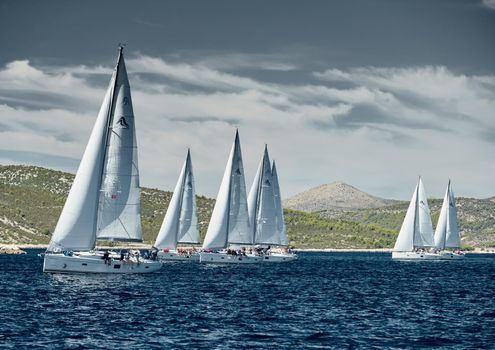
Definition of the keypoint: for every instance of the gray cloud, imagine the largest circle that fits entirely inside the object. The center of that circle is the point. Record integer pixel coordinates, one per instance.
(489, 4)
(321, 129)
(206, 119)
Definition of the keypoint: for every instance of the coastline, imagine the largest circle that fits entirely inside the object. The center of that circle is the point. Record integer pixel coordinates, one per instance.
(143, 246)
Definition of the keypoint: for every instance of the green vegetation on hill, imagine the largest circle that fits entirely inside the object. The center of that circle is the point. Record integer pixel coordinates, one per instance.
(31, 199)
(308, 230)
(476, 218)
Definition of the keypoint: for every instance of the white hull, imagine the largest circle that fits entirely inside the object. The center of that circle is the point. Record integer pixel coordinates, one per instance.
(93, 263)
(279, 257)
(451, 255)
(174, 256)
(416, 256)
(223, 258)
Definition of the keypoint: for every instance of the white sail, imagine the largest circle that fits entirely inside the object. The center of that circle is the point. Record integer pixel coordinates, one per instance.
(76, 226)
(261, 205)
(188, 231)
(254, 196)
(180, 224)
(423, 237)
(416, 230)
(405, 240)
(119, 202)
(279, 210)
(230, 221)
(447, 231)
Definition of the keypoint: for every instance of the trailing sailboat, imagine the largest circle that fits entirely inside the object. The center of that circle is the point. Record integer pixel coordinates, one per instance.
(229, 224)
(180, 225)
(447, 237)
(415, 240)
(266, 213)
(104, 200)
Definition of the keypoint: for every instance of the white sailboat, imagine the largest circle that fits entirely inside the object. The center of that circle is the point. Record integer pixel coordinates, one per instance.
(180, 225)
(266, 213)
(283, 241)
(447, 237)
(415, 240)
(229, 224)
(104, 200)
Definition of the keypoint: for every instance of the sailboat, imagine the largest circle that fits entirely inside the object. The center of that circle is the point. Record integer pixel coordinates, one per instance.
(180, 224)
(229, 224)
(283, 240)
(104, 200)
(266, 213)
(415, 240)
(447, 237)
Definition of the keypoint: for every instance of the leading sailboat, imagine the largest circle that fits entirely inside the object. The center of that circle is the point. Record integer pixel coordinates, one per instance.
(415, 240)
(180, 224)
(447, 237)
(266, 213)
(229, 224)
(104, 200)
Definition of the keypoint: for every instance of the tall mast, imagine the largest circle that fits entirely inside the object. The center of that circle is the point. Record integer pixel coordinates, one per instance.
(181, 198)
(258, 191)
(416, 212)
(448, 217)
(109, 123)
(236, 141)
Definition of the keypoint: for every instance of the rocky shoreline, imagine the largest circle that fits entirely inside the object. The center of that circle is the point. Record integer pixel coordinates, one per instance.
(11, 249)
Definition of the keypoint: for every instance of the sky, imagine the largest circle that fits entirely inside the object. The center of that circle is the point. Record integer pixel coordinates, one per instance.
(371, 93)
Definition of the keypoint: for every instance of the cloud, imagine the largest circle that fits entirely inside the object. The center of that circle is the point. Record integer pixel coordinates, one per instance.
(367, 126)
(424, 97)
(489, 4)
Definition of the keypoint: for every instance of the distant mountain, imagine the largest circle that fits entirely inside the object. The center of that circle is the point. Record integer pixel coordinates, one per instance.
(337, 195)
(343, 202)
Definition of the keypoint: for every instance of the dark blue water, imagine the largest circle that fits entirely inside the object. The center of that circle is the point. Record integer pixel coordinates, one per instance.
(324, 300)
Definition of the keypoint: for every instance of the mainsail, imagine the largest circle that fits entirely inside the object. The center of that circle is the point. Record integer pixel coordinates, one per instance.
(180, 224)
(104, 198)
(416, 230)
(261, 204)
(279, 210)
(447, 231)
(230, 221)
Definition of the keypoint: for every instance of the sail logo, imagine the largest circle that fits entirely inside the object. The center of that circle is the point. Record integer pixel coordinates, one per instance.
(125, 101)
(267, 183)
(238, 171)
(123, 124)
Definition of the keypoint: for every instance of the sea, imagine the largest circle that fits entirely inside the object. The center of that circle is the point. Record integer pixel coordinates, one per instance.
(321, 301)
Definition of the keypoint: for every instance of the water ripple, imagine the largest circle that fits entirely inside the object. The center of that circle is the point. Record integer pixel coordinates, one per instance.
(324, 300)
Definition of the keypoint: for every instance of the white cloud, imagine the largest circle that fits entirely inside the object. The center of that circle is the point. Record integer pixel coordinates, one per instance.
(378, 133)
(489, 3)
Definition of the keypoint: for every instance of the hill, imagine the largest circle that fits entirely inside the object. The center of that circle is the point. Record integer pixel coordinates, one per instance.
(337, 195)
(476, 218)
(31, 199)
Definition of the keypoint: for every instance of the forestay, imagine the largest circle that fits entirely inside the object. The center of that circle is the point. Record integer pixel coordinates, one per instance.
(279, 210)
(180, 224)
(261, 204)
(76, 227)
(447, 231)
(416, 230)
(230, 221)
(119, 200)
